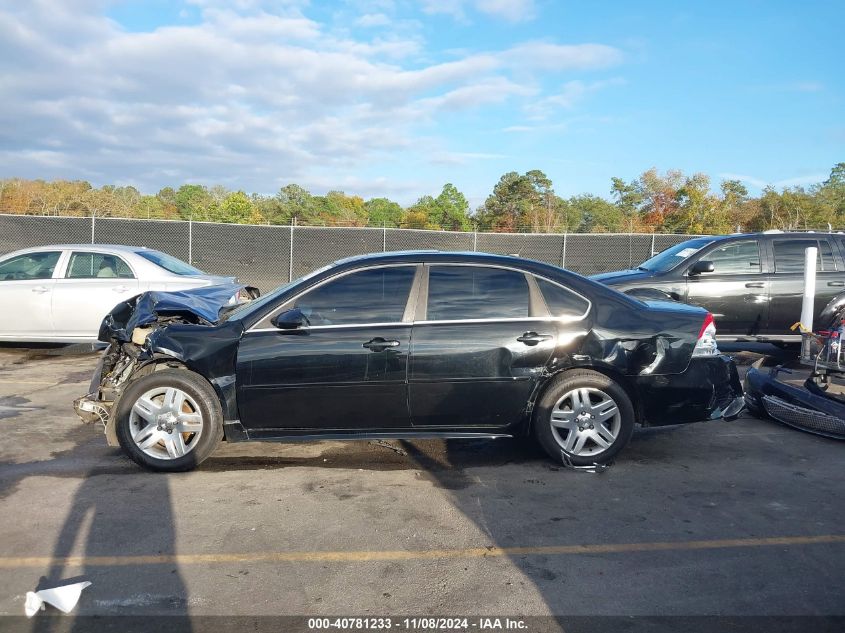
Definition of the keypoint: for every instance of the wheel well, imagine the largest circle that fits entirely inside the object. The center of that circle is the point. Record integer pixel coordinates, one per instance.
(623, 381)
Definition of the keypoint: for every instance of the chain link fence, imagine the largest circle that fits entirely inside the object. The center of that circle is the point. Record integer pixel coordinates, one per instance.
(268, 256)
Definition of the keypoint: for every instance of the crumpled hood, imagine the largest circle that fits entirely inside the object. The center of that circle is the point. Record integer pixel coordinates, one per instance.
(620, 277)
(197, 305)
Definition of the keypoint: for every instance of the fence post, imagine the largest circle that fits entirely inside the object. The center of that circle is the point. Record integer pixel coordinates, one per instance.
(191, 239)
(475, 239)
(651, 253)
(563, 251)
(93, 223)
(383, 237)
(290, 252)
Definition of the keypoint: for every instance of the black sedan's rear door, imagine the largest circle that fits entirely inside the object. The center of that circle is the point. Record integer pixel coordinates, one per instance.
(480, 343)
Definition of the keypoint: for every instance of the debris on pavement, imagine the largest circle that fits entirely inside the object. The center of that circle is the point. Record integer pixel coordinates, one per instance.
(64, 598)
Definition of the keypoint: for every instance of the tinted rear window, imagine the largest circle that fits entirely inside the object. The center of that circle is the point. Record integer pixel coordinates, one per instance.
(789, 255)
(562, 302)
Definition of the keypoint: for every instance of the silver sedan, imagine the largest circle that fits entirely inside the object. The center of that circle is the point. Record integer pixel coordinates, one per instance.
(60, 293)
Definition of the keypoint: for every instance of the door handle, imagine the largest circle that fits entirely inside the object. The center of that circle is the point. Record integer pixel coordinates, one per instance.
(756, 284)
(41, 289)
(378, 344)
(836, 283)
(120, 288)
(532, 338)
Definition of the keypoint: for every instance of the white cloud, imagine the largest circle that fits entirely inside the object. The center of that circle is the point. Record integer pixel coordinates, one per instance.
(509, 10)
(557, 57)
(570, 94)
(254, 95)
(373, 19)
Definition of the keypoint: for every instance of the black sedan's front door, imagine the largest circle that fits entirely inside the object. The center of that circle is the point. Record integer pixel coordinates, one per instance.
(344, 371)
(478, 352)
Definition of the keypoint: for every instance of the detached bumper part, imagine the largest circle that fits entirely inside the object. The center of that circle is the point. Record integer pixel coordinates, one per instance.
(805, 408)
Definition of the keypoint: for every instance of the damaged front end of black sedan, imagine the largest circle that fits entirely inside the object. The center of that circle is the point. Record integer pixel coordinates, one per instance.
(158, 330)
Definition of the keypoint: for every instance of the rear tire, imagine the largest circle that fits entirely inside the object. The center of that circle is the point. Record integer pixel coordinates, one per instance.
(169, 420)
(583, 418)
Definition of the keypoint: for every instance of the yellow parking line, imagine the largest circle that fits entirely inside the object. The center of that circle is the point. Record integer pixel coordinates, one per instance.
(10, 562)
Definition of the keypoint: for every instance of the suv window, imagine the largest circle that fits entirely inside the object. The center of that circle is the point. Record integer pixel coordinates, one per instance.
(30, 266)
(376, 295)
(560, 301)
(789, 255)
(735, 258)
(97, 266)
(475, 292)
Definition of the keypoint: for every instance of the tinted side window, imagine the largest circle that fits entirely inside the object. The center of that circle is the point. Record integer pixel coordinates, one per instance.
(562, 302)
(29, 266)
(377, 295)
(472, 292)
(735, 258)
(789, 255)
(97, 266)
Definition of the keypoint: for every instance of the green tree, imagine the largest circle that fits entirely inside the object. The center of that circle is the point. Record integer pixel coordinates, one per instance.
(383, 212)
(516, 201)
(450, 210)
(237, 208)
(594, 214)
(193, 202)
(420, 214)
(297, 203)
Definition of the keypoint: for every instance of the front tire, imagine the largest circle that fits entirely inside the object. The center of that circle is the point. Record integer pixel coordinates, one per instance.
(583, 418)
(169, 420)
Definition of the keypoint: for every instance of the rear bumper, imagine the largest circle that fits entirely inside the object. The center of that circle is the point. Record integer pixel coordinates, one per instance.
(709, 389)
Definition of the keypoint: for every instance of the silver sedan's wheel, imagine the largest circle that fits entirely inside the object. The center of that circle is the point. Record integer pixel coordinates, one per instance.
(165, 423)
(585, 421)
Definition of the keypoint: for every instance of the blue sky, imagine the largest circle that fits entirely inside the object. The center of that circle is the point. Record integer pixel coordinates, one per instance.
(395, 98)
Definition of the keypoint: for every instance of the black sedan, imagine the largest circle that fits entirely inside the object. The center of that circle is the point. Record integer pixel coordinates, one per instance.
(406, 345)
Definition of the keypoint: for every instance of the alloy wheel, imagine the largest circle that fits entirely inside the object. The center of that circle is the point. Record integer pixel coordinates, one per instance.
(166, 423)
(585, 421)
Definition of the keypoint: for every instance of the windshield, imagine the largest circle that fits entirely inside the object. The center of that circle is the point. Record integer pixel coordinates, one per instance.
(674, 255)
(169, 263)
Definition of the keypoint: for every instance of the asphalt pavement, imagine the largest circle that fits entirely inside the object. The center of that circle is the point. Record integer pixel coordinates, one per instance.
(742, 518)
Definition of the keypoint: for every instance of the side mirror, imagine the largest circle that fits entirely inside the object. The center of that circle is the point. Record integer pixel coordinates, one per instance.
(702, 266)
(293, 319)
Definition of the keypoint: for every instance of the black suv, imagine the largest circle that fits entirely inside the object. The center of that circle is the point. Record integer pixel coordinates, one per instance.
(752, 283)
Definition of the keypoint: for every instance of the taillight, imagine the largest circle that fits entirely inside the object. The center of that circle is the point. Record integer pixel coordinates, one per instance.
(706, 343)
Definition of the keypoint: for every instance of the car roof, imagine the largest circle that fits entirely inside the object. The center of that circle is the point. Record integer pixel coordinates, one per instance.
(112, 247)
(770, 233)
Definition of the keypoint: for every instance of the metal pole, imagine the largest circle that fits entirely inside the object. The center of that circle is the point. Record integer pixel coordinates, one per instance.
(383, 237)
(475, 240)
(809, 289)
(563, 251)
(191, 238)
(290, 252)
(652, 246)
